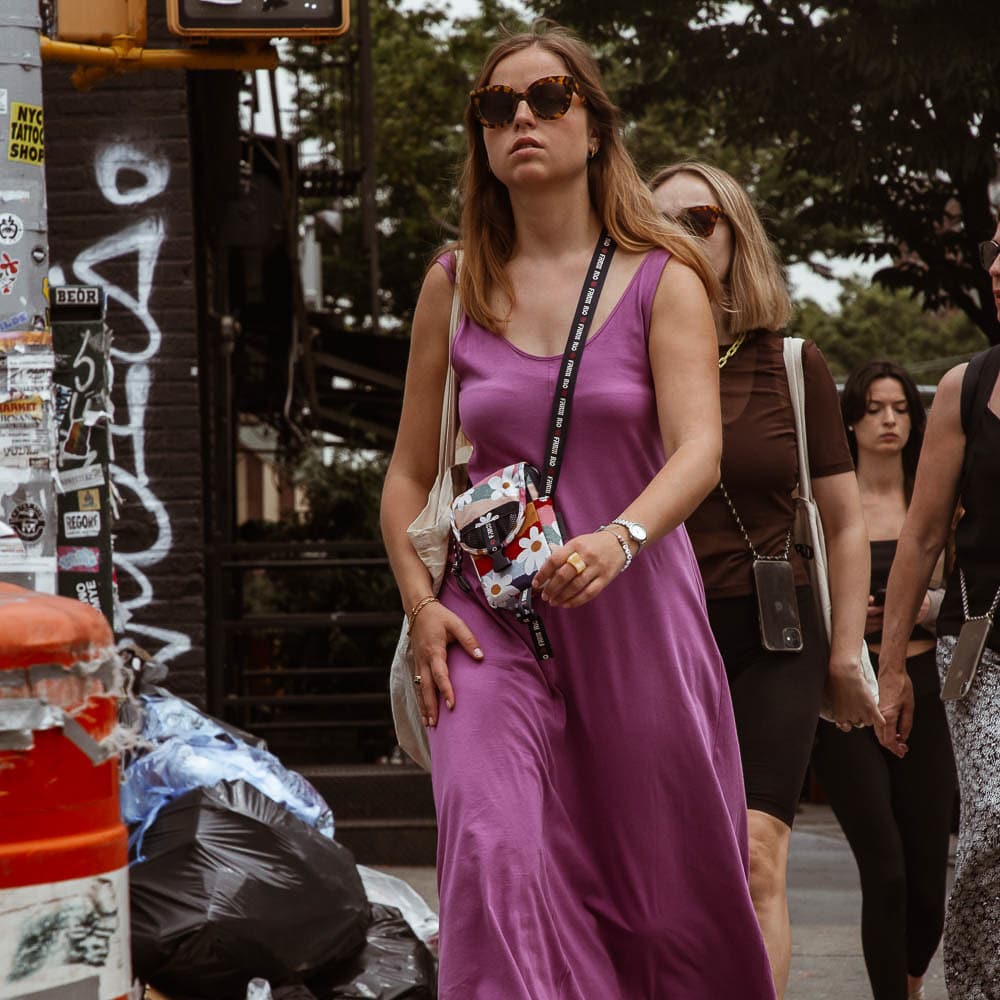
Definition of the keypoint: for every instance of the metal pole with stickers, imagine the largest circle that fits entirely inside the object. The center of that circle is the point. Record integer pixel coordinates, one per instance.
(27, 361)
(55, 494)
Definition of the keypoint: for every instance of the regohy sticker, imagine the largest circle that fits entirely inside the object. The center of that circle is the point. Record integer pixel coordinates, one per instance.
(81, 524)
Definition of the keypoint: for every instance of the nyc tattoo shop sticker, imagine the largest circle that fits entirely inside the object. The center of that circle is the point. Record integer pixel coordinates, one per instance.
(27, 135)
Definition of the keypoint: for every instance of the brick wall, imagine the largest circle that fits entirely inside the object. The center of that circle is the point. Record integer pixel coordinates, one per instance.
(118, 169)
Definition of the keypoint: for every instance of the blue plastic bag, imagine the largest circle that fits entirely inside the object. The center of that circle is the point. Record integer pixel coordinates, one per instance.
(192, 751)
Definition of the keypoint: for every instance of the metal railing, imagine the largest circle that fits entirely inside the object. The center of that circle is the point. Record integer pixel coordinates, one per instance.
(311, 680)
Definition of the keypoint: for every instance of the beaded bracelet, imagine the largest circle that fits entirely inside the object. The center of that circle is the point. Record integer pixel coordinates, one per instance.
(417, 608)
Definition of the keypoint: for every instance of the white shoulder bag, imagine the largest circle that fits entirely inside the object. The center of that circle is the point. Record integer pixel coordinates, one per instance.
(430, 533)
(807, 533)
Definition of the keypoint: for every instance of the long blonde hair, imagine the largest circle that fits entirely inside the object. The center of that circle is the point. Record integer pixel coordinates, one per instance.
(622, 202)
(754, 295)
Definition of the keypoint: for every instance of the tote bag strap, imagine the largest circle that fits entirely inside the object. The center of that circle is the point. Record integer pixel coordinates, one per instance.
(797, 391)
(449, 404)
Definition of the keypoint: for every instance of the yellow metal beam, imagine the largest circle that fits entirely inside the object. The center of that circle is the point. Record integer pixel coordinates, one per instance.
(95, 62)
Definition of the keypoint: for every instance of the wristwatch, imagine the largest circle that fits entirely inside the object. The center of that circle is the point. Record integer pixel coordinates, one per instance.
(635, 531)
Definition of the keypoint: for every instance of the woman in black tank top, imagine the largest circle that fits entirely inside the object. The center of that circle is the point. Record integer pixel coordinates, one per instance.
(960, 464)
(896, 814)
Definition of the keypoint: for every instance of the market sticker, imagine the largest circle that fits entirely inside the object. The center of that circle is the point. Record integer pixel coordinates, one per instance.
(27, 136)
(11, 228)
(77, 479)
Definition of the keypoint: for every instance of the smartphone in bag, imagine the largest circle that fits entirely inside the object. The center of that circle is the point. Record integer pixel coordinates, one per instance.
(965, 658)
(777, 605)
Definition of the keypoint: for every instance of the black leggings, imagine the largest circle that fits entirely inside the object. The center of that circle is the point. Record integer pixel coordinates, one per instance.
(896, 815)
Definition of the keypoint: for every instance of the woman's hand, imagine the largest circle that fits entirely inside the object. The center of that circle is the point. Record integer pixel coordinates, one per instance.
(852, 704)
(434, 627)
(564, 584)
(873, 623)
(895, 699)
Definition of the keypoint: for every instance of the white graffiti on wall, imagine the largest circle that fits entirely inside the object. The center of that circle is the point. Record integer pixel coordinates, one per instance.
(113, 165)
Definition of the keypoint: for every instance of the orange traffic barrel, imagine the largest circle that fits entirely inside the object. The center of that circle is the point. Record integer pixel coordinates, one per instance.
(64, 921)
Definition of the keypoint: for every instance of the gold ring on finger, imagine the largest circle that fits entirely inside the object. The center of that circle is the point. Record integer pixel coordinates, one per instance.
(577, 562)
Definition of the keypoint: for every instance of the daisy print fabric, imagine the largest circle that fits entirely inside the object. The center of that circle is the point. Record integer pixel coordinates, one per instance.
(508, 529)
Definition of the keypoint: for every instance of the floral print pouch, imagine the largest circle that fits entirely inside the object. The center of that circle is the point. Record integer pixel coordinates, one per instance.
(508, 530)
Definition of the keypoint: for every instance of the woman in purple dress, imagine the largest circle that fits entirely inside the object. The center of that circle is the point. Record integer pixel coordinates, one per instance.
(592, 825)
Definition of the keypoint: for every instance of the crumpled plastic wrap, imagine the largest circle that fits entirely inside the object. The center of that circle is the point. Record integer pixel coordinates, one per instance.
(394, 965)
(164, 715)
(192, 750)
(235, 886)
(388, 890)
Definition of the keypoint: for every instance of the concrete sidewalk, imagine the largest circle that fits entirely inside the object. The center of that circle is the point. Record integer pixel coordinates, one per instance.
(825, 903)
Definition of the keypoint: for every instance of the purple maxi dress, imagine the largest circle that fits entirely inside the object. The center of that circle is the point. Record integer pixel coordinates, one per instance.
(591, 811)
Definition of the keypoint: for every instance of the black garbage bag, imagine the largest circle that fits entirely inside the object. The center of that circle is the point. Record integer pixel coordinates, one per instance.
(236, 886)
(394, 965)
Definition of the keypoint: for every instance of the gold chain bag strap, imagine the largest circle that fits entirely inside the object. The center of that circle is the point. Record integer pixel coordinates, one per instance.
(430, 534)
(807, 532)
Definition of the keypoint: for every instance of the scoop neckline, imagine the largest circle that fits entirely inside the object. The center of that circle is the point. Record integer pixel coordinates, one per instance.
(607, 319)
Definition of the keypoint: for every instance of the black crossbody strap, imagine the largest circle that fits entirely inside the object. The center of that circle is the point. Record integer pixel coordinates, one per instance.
(585, 309)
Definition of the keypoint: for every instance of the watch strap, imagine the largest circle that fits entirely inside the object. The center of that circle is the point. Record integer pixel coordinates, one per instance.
(628, 526)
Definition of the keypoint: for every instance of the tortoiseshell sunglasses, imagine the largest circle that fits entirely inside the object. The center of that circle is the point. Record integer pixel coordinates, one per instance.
(698, 219)
(549, 98)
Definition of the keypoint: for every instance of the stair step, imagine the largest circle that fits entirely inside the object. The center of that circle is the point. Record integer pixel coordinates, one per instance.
(389, 842)
(381, 792)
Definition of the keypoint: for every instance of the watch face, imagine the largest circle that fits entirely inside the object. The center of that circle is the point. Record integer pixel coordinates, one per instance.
(638, 532)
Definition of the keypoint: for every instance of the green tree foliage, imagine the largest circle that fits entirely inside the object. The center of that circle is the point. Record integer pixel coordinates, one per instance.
(873, 125)
(876, 322)
(342, 505)
(423, 72)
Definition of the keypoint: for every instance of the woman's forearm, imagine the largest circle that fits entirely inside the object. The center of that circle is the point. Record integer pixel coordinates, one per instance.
(908, 581)
(402, 501)
(848, 558)
(687, 477)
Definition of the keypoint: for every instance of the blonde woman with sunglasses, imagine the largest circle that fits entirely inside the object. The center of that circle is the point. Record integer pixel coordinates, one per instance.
(746, 522)
(592, 832)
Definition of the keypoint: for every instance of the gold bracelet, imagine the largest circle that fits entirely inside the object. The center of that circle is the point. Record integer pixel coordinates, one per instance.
(417, 608)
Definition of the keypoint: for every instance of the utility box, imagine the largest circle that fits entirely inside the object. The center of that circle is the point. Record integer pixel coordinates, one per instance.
(258, 18)
(99, 21)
